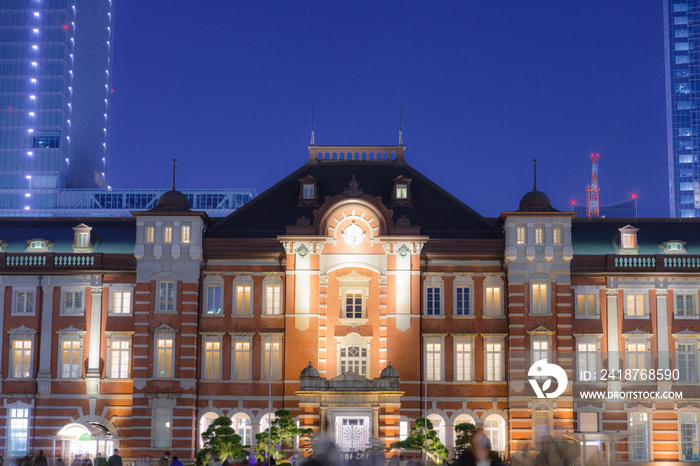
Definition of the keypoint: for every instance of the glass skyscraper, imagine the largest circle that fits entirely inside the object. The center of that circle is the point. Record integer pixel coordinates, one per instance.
(55, 96)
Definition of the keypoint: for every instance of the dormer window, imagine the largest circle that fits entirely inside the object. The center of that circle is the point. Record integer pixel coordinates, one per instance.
(673, 247)
(308, 192)
(38, 245)
(628, 240)
(401, 194)
(81, 239)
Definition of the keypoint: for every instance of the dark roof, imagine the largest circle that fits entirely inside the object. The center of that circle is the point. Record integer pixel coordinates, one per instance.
(536, 201)
(172, 201)
(439, 213)
(108, 235)
(601, 236)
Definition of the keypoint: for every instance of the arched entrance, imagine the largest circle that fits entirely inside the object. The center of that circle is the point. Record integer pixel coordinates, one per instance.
(89, 439)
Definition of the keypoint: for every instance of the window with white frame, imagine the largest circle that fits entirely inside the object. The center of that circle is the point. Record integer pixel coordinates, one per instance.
(403, 430)
(520, 235)
(166, 296)
(637, 355)
(587, 359)
(540, 348)
(185, 235)
(38, 245)
(685, 305)
(167, 234)
(353, 291)
(494, 366)
(438, 426)
(493, 300)
(540, 298)
(353, 359)
(354, 304)
(308, 191)
(433, 359)
(119, 357)
(273, 299)
(162, 429)
(22, 357)
(272, 357)
(243, 298)
(686, 357)
(211, 363)
(639, 436)
(539, 235)
(495, 430)
(121, 302)
(213, 298)
(241, 357)
(73, 302)
(689, 436)
(433, 300)
(541, 423)
(18, 435)
(164, 356)
(629, 240)
(242, 426)
(636, 305)
(463, 300)
(82, 240)
(24, 302)
(401, 191)
(70, 357)
(586, 305)
(150, 234)
(556, 235)
(464, 360)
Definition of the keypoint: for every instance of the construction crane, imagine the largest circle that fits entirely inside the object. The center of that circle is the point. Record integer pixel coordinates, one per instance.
(592, 204)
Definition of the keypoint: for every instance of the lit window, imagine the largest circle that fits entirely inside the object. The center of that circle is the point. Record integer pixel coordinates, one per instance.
(167, 234)
(243, 299)
(212, 359)
(18, 434)
(121, 302)
(403, 430)
(241, 360)
(353, 305)
(687, 361)
(120, 359)
(539, 235)
(401, 191)
(162, 419)
(166, 296)
(540, 420)
(556, 235)
(685, 305)
(37, 244)
(520, 231)
(164, 357)
(539, 298)
(689, 436)
(21, 359)
(82, 240)
(150, 234)
(73, 302)
(273, 299)
(636, 305)
(495, 430)
(70, 359)
(492, 306)
(494, 362)
(185, 233)
(540, 350)
(24, 302)
(433, 358)
(242, 426)
(309, 191)
(213, 299)
(353, 359)
(586, 305)
(463, 301)
(587, 357)
(639, 437)
(628, 240)
(674, 246)
(272, 358)
(432, 301)
(637, 356)
(464, 362)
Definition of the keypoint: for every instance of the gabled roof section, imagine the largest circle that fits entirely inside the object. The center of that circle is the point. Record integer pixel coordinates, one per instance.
(374, 168)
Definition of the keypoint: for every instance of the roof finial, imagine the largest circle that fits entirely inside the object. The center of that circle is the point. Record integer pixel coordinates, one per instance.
(313, 141)
(174, 174)
(400, 127)
(535, 162)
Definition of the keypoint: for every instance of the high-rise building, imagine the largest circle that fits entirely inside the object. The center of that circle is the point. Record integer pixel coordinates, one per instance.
(55, 88)
(682, 26)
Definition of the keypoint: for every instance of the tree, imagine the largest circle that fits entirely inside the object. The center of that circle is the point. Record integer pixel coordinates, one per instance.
(281, 433)
(436, 451)
(464, 431)
(221, 440)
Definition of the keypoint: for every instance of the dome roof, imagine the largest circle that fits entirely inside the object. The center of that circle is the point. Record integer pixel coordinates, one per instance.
(389, 372)
(309, 372)
(536, 201)
(173, 201)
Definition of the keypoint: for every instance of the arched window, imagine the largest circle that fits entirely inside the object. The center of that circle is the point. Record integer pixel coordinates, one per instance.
(241, 424)
(495, 430)
(265, 421)
(438, 426)
(204, 423)
(353, 355)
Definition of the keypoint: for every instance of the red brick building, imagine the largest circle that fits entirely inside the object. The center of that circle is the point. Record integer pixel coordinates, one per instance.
(359, 295)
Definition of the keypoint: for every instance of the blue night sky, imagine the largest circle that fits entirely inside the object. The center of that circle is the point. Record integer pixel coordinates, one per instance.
(226, 87)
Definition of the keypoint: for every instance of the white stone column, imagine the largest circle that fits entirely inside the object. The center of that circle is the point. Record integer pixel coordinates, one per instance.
(2, 325)
(613, 332)
(663, 348)
(93, 371)
(403, 286)
(375, 422)
(45, 341)
(302, 286)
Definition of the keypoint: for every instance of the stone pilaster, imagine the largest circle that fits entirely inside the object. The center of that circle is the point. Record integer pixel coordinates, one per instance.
(93, 371)
(45, 340)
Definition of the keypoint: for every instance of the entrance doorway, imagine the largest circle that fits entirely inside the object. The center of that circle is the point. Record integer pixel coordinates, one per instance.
(352, 433)
(81, 440)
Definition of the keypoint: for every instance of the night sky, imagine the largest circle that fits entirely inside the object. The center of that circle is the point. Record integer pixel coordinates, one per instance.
(226, 87)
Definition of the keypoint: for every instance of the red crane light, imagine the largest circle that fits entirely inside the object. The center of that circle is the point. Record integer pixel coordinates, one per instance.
(634, 196)
(65, 26)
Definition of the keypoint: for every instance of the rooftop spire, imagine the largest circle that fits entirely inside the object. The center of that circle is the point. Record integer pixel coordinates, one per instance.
(313, 142)
(535, 163)
(174, 174)
(400, 127)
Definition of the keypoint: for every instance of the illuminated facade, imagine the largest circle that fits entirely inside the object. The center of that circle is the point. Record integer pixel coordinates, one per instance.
(55, 94)
(360, 296)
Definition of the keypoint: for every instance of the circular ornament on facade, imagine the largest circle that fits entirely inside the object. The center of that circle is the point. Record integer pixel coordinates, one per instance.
(353, 235)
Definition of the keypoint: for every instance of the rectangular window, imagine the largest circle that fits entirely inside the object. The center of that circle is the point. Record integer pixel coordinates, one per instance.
(464, 357)
(243, 299)
(520, 235)
(637, 356)
(241, 360)
(492, 307)
(680, 33)
(121, 302)
(162, 428)
(273, 299)
(685, 305)
(24, 302)
(463, 301)
(213, 294)
(212, 359)
(150, 234)
(120, 359)
(353, 305)
(403, 430)
(401, 191)
(433, 358)
(628, 240)
(539, 298)
(680, 7)
(70, 359)
(681, 46)
(636, 305)
(587, 358)
(540, 350)
(73, 302)
(639, 437)
(164, 357)
(689, 436)
(185, 233)
(166, 296)
(680, 20)
(19, 432)
(556, 235)
(353, 359)
(540, 420)
(586, 305)
(82, 240)
(687, 362)
(539, 235)
(272, 354)
(167, 234)
(308, 191)
(21, 359)
(494, 362)
(432, 307)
